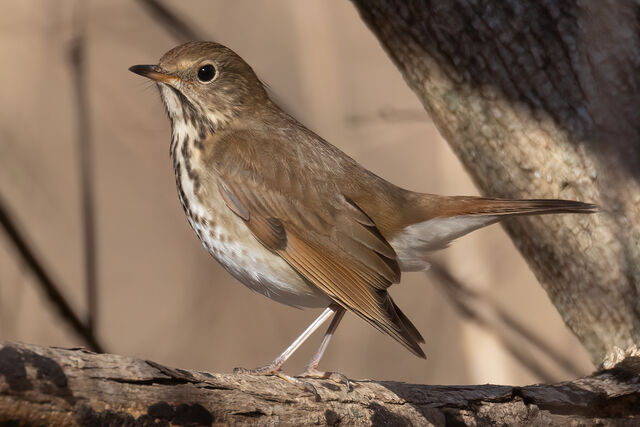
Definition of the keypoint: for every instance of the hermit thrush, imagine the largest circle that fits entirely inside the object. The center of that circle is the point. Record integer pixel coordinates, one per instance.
(290, 215)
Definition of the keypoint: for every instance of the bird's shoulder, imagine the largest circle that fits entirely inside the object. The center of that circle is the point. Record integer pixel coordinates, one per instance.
(284, 158)
(290, 139)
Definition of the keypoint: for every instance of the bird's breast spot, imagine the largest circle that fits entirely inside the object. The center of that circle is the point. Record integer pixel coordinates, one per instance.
(256, 267)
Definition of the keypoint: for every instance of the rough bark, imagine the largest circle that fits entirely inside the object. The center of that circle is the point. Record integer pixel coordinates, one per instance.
(541, 99)
(64, 387)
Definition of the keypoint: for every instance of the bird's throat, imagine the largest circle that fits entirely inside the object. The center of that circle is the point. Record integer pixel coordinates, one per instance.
(186, 152)
(187, 117)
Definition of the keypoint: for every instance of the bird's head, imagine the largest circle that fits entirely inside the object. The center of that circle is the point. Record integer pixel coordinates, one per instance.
(205, 85)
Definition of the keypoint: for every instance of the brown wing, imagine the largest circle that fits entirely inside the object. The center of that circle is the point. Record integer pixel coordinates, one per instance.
(327, 238)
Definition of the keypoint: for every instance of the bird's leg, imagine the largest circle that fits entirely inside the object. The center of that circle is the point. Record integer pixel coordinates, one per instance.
(274, 368)
(311, 370)
(315, 360)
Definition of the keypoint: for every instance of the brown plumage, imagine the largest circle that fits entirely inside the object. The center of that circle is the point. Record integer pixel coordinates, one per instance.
(289, 214)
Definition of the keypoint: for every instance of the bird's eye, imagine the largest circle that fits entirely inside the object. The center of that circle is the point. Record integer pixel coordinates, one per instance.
(206, 73)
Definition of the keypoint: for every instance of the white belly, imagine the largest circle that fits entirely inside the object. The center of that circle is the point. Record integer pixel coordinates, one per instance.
(230, 241)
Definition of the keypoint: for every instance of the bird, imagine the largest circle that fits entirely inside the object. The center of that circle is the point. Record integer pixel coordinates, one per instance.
(293, 217)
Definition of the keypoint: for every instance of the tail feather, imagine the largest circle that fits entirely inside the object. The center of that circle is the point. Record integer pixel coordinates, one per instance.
(457, 216)
(406, 324)
(489, 206)
(408, 334)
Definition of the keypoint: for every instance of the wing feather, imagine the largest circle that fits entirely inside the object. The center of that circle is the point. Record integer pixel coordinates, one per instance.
(323, 235)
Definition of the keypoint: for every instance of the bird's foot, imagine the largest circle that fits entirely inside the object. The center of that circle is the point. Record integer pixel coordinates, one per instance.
(276, 371)
(333, 376)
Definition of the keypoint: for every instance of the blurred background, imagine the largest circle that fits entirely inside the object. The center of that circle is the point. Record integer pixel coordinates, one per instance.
(86, 181)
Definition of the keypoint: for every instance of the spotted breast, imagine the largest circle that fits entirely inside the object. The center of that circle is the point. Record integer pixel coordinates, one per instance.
(223, 233)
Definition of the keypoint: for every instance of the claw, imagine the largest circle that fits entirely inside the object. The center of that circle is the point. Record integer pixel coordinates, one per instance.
(311, 372)
(303, 385)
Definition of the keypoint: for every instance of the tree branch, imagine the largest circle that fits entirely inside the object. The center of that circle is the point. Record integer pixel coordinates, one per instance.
(517, 339)
(541, 99)
(77, 52)
(55, 386)
(45, 280)
(181, 29)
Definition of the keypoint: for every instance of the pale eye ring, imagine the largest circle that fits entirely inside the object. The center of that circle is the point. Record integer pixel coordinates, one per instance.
(206, 73)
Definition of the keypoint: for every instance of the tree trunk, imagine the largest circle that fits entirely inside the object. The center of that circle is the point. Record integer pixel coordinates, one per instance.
(541, 99)
(65, 387)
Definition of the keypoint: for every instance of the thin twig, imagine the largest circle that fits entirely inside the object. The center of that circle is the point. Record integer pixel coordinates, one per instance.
(78, 71)
(488, 314)
(180, 28)
(51, 289)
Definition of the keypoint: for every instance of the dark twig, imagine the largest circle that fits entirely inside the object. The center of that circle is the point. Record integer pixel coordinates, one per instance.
(182, 30)
(51, 289)
(566, 364)
(506, 328)
(78, 70)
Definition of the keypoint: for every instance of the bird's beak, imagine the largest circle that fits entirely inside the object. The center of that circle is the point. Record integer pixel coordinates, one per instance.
(154, 72)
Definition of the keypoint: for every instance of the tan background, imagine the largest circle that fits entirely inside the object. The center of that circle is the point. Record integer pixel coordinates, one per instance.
(161, 296)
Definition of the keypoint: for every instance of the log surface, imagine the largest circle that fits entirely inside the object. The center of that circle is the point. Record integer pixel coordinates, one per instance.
(56, 387)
